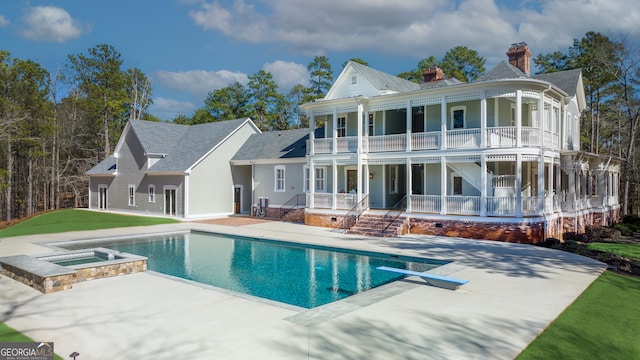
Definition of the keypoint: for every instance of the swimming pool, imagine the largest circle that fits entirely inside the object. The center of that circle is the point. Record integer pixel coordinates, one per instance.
(304, 276)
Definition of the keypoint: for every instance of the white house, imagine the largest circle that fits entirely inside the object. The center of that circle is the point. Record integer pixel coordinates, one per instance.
(498, 158)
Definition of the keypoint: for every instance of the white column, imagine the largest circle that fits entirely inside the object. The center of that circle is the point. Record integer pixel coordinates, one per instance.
(359, 154)
(443, 185)
(334, 183)
(409, 184)
(483, 120)
(312, 132)
(519, 185)
(334, 132)
(519, 118)
(541, 182)
(366, 178)
(572, 187)
(312, 183)
(186, 197)
(541, 118)
(409, 124)
(443, 122)
(483, 181)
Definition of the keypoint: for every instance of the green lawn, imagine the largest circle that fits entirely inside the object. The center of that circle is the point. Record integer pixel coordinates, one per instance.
(8, 334)
(626, 250)
(603, 323)
(74, 220)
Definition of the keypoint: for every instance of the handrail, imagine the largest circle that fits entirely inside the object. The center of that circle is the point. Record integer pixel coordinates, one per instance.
(292, 203)
(400, 204)
(354, 214)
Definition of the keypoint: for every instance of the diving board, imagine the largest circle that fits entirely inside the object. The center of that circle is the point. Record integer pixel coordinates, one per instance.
(432, 279)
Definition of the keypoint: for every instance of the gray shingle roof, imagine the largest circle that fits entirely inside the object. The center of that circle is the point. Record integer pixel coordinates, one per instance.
(566, 80)
(383, 81)
(195, 142)
(286, 144)
(503, 70)
(105, 167)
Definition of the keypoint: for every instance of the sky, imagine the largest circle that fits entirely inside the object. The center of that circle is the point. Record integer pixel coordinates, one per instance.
(188, 48)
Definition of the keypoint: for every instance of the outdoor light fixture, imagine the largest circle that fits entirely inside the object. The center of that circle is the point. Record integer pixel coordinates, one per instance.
(370, 175)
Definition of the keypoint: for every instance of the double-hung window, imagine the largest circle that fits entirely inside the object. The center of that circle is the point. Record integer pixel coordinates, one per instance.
(152, 193)
(320, 179)
(132, 195)
(341, 127)
(279, 178)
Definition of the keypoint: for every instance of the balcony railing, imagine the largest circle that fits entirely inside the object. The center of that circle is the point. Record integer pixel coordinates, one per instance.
(495, 137)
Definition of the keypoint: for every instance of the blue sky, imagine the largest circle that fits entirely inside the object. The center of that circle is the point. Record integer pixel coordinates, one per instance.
(191, 47)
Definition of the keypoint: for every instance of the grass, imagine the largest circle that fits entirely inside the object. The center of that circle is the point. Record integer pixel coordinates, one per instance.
(76, 220)
(603, 323)
(626, 250)
(9, 334)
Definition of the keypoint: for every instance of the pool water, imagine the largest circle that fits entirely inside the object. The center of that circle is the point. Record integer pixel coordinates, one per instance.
(79, 260)
(299, 275)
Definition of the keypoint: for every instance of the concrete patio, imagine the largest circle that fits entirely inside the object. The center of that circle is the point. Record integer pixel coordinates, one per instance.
(515, 291)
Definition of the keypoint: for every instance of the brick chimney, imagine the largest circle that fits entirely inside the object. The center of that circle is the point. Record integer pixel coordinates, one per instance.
(520, 57)
(433, 73)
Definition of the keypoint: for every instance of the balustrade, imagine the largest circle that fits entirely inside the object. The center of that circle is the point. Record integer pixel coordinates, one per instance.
(426, 203)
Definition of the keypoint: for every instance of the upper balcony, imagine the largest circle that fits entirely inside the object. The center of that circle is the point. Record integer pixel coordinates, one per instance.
(492, 137)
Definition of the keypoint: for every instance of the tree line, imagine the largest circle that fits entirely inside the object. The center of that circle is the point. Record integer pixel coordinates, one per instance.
(55, 127)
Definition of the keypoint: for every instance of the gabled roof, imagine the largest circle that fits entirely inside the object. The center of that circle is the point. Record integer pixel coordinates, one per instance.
(105, 167)
(383, 81)
(285, 144)
(177, 147)
(195, 143)
(370, 82)
(567, 80)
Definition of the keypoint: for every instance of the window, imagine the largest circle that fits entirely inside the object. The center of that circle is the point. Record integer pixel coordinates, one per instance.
(342, 126)
(513, 115)
(152, 193)
(132, 195)
(393, 179)
(320, 179)
(354, 79)
(458, 117)
(279, 178)
(457, 185)
(371, 125)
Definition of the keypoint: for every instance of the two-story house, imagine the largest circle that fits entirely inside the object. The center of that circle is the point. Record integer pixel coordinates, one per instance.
(498, 158)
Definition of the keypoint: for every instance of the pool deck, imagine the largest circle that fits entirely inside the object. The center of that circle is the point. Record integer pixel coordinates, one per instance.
(514, 292)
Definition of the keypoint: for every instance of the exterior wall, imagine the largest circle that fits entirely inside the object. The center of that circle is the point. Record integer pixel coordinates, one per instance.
(211, 182)
(160, 182)
(376, 186)
(131, 167)
(241, 176)
(264, 182)
(94, 183)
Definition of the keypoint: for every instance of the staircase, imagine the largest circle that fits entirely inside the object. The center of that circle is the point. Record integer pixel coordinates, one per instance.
(470, 172)
(379, 225)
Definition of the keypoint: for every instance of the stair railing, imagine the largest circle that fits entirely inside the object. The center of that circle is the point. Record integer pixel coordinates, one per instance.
(393, 214)
(353, 215)
(293, 203)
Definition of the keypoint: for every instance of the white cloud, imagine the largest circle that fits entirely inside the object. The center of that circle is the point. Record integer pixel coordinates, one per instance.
(198, 83)
(287, 74)
(168, 109)
(50, 23)
(412, 28)
(4, 21)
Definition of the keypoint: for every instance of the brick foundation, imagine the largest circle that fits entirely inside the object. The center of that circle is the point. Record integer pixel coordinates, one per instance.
(508, 232)
(533, 232)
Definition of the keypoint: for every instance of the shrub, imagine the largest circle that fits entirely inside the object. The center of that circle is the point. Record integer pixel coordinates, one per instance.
(631, 219)
(552, 242)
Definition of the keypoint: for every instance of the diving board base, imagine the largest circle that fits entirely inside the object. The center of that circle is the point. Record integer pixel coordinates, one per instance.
(431, 279)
